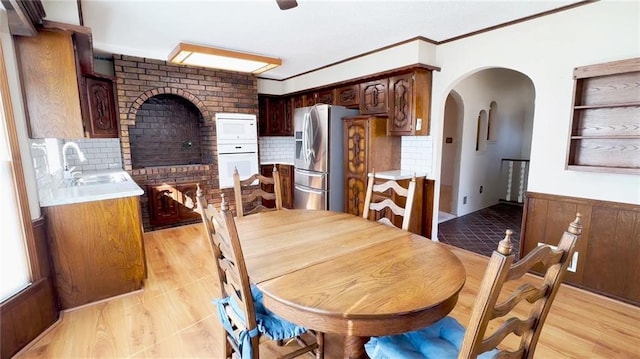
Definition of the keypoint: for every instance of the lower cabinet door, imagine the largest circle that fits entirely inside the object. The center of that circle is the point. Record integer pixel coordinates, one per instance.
(163, 204)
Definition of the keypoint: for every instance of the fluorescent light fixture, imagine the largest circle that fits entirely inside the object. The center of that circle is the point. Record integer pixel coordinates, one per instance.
(197, 55)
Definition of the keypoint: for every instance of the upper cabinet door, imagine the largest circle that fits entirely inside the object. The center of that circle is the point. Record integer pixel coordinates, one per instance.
(410, 103)
(102, 110)
(348, 96)
(373, 98)
(401, 107)
(50, 85)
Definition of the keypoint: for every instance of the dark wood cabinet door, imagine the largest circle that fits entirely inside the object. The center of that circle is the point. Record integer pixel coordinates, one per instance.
(355, 147)
(310, 99)
(297, 101)
(401, 105)
(348, 96)
(373, 97)
(325, 97)
(163, 204)
(356, 191)
(287, 110)
(275, 116)
(263, 115)
(355, 162)
(286, 179)
(267, 171)
(103, 120)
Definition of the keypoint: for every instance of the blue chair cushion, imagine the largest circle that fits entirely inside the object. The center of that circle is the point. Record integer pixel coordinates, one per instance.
(441, 340)
(268, 323)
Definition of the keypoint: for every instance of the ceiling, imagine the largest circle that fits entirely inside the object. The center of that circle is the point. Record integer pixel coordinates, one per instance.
(314, 34)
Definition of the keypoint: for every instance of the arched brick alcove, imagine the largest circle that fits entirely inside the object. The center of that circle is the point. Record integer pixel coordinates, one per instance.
(210, 91)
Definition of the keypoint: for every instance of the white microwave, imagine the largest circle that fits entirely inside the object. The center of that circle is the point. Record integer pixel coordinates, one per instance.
(236, 128)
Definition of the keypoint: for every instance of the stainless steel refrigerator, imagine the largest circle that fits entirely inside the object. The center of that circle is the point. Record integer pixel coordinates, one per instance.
(319, 157)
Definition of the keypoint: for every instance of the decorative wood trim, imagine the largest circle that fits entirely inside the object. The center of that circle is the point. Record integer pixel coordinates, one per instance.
(18, 174)
(367, 78)
(363, 55)
(491, 28)
(23, 16)
(587, 201)
(517, 21)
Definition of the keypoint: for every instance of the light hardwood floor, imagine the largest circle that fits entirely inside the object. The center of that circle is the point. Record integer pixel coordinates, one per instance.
(173, 316)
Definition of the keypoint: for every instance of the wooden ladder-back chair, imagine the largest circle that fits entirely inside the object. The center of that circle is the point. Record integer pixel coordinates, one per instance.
(448, 339)
(376, 200)
(240, 310)
(246, 191)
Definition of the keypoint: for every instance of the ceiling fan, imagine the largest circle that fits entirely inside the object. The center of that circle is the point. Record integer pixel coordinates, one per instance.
(286, 4)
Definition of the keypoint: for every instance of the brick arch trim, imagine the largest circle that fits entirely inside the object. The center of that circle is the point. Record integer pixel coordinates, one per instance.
(137, 103)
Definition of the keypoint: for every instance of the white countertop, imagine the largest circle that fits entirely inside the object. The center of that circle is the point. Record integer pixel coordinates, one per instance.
(399, 174)
(55, 194)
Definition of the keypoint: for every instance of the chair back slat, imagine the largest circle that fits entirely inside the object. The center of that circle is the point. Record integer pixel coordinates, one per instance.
(546, 257)
(378, 200)
(387, 203)
(391, 185)
(501, 270)
(526, 291)
(511, 325)
(246, 192)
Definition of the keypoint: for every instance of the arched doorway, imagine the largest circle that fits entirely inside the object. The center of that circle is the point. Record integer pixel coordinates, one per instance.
(488, 121)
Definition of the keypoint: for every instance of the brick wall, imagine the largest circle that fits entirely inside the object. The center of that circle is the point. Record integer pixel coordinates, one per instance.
(138, 80)
(177, 122)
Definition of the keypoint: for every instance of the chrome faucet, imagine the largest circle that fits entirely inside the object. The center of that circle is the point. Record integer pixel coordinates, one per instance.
(67, 173)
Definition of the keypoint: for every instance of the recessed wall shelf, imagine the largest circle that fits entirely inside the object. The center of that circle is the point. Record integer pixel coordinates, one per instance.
(605, 127)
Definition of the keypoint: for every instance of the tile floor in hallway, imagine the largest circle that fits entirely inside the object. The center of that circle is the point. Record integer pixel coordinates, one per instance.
(481, 231)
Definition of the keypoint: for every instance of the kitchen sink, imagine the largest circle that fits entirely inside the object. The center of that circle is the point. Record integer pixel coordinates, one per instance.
(95, 180)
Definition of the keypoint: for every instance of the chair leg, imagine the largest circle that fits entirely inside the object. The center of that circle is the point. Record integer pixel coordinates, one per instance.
(320, 342)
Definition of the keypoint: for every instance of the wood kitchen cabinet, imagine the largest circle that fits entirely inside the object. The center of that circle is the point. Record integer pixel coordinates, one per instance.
(324, 96)
(286, 181)
(96, 249)
(172, 203)
(374, 97)
(275, 116)
(348, 96)
(366, 147)
(61, 100)
(410, 103)
(102, 120)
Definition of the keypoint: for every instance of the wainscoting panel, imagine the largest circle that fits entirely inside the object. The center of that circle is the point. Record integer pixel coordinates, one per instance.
(608, 249)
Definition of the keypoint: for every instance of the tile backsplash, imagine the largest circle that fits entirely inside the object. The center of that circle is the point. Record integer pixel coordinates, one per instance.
(277, 149)
(416, 152)
(101, 154)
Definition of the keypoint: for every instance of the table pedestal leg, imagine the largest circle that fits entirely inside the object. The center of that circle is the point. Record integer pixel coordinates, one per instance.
(354, 347)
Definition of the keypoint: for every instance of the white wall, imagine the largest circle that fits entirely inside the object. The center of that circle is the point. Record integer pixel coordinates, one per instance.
(546, 50)
(19, 115)
(406, 54)
(514, 94)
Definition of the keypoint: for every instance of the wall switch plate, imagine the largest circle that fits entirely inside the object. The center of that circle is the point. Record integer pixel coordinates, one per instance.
(464, 200)
(573, 264)
(418, 124)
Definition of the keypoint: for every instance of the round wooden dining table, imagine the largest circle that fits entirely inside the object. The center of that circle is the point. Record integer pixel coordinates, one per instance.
(338, 273)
